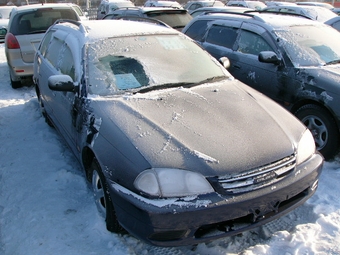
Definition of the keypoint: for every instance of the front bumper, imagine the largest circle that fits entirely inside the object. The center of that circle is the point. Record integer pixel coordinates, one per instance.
(192, 220)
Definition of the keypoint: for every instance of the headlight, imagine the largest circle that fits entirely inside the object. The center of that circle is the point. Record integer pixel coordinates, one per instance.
(306, 147)
(166, 182)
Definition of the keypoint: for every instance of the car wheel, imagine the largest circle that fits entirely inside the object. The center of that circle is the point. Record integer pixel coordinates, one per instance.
(43, 111)
(103, 199)
(323, 128)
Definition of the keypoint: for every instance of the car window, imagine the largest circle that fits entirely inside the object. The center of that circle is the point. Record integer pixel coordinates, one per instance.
(173, 19)
(251, 43)
(197, 30)
(66, 66)
(310, 45)
(52, 52)
(336, 25)
(222, 35)
(38, 21)
(135, 62)
(45, 42)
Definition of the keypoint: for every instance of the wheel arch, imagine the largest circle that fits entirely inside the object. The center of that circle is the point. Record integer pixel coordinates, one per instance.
(87, 158)
(301, 103)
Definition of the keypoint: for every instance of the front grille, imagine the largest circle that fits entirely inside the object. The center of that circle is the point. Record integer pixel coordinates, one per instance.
(259, 177)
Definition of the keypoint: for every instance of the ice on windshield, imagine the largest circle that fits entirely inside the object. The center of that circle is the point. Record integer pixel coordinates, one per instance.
(128, 63)
(311, 45)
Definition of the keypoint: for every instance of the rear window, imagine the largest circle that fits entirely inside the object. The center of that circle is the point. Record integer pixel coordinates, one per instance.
(38, 21)
(175, 19)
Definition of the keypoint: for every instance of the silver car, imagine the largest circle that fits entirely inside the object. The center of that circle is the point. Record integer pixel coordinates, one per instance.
(26, 28)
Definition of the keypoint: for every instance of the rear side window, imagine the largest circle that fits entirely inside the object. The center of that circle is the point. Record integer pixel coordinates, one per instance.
(222, 35)
(38, 21)
(197, 30)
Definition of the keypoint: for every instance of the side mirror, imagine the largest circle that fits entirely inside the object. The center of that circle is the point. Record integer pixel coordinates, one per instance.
(225, 62)
(269, 57)
(61, 83)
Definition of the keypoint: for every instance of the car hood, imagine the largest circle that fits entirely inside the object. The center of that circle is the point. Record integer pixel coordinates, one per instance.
(213, 129)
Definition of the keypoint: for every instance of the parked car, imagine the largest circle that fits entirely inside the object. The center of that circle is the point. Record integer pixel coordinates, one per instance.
(193, 5)
(293, 60)
(274, 3)
(334, 22)
(312, 12)
(83, 15)
(175, 18)
(255, 5)
(5, 11)
(108, 6)
(177, 151)
(199, 11)
(4, 18)
(168, 4)
(26, 27)
(321, 4)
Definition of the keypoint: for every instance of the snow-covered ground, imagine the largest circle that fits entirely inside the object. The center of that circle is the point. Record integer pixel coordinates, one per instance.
(47, 208)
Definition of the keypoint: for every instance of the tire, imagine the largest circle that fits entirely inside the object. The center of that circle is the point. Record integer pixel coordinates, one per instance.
(15, 82)
(323, 127)
(103, 199)
(43, 111)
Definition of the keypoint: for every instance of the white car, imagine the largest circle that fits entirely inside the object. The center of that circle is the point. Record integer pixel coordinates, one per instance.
(108, 6)
(27, 26)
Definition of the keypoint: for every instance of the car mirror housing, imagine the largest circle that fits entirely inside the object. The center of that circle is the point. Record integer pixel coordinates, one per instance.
(269, 57)
(61, 83)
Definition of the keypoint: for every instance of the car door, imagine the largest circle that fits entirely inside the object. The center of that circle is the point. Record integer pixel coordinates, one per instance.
(245, 64)
(220, 38)
(60, 59)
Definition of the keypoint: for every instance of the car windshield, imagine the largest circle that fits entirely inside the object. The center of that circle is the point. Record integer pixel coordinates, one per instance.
(311, 45)
(132, 63)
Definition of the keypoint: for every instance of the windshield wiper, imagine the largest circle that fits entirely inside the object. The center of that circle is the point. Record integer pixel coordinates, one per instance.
(212, 79)
(178, 84)
(333, 62)
(164, 86)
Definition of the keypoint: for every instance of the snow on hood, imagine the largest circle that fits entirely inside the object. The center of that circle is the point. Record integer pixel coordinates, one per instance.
(222, 127)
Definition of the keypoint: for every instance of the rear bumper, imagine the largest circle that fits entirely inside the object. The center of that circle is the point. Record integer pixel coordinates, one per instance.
(17, 66)
(192, 220)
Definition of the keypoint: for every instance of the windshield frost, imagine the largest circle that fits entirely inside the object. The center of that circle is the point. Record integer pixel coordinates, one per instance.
(311, 45)
(134, 62)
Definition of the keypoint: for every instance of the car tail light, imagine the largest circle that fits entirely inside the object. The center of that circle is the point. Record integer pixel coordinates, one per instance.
(11, 41)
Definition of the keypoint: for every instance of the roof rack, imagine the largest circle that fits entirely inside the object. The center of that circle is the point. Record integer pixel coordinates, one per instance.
(252, 14)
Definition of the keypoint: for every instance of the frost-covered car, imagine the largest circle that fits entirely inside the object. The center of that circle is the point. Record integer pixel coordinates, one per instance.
(177, 151)
(293, 60)
(318, 13)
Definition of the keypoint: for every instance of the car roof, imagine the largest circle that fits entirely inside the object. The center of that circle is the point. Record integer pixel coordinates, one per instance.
(150, 9)
(92, 30)
(313, 11)
(270, 19)
(40, 6)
